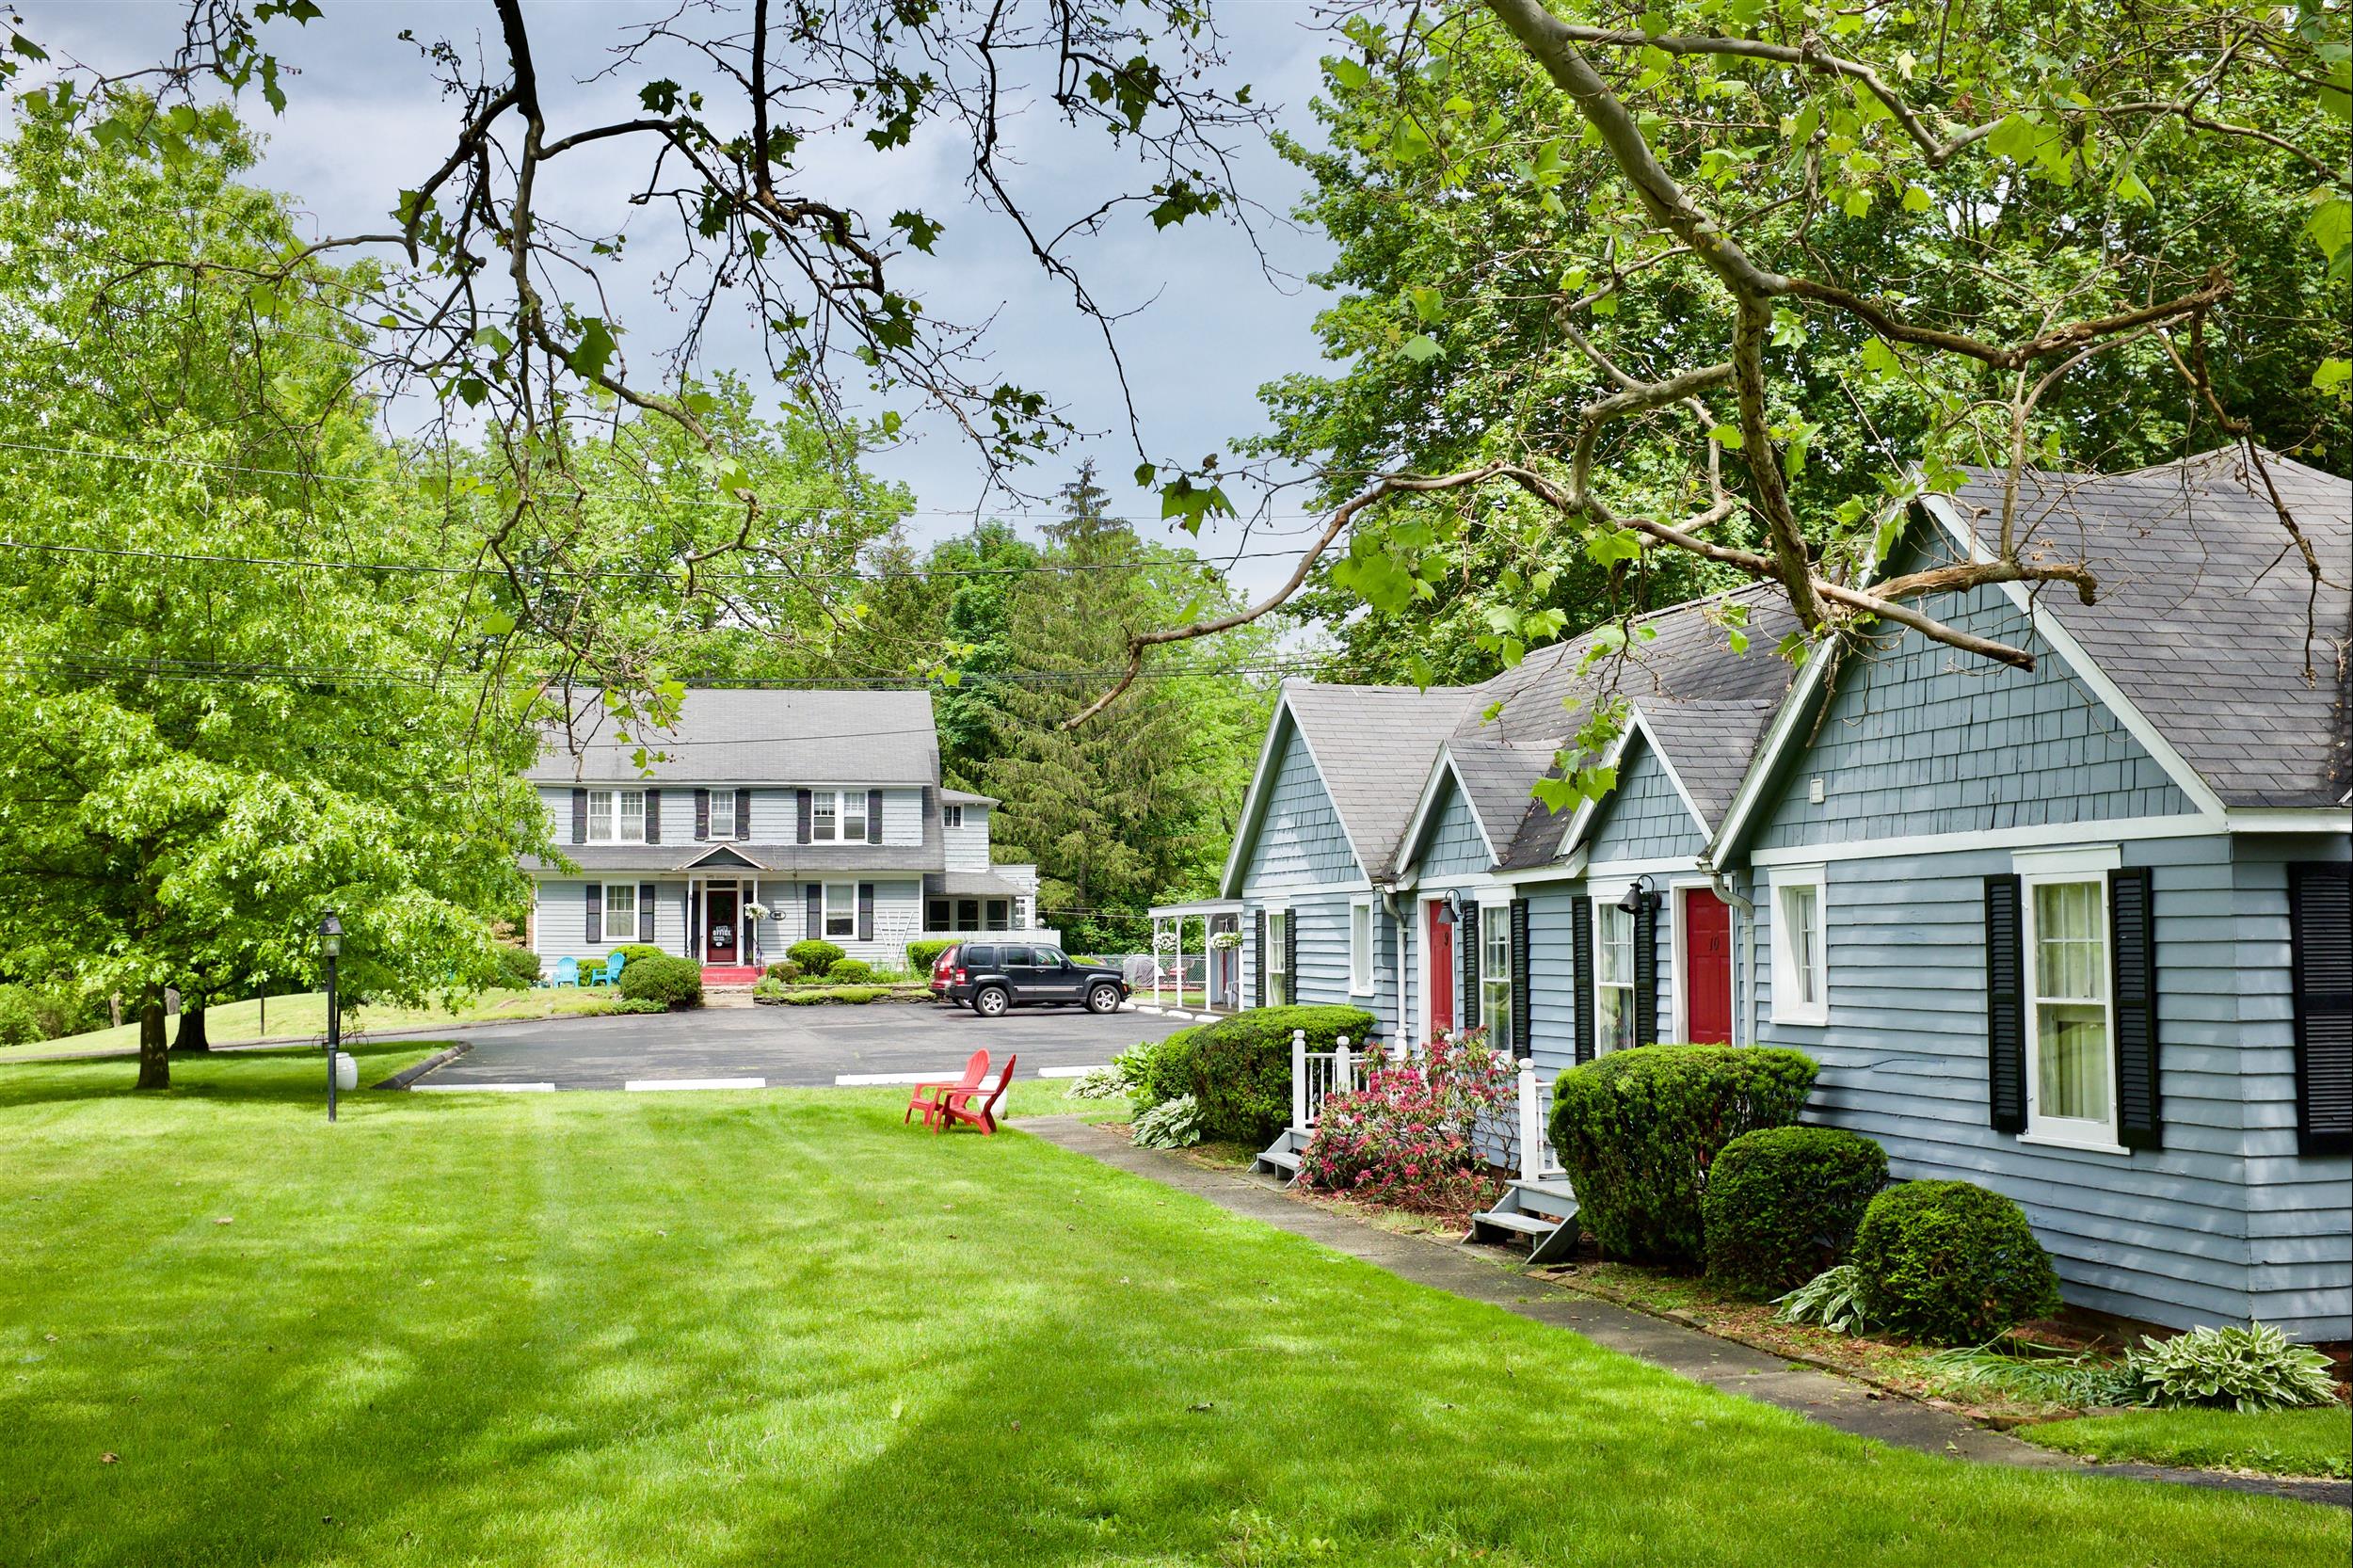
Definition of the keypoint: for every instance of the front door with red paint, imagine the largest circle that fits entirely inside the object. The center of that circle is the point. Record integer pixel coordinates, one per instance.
(719, 911)
(1707, 968)
(1441, 971)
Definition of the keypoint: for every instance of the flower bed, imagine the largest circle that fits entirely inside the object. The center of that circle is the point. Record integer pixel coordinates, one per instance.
(1406, 1138)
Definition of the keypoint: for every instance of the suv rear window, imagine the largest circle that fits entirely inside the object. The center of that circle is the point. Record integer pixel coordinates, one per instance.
(980, 959)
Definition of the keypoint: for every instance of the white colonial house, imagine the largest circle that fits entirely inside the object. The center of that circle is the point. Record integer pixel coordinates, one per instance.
(823, 808)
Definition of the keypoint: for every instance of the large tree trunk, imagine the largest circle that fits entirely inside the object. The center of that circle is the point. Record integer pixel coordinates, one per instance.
(193, 1035)
(154, 1060)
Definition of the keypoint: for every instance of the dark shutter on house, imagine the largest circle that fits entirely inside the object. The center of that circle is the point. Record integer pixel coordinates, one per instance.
(1646, 971)
(2133, 950)
(2320, 935)
(645, 893)
(1466, 956)
(653, 816)
(580, 816)
(865, 911)
(1258, 960)
(596, 911)
(805, 817)
(874, 816)
(2005, 1006)
(1523, 1035)
(1290, 957)
(1581, 972)
(743, 813)
(816, 906)
(702, 815)
(694, 926)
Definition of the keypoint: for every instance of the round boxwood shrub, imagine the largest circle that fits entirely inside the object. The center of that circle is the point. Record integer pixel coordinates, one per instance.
(632, 952)
(784, 970)
(1239, 1070)
(1636, 1131)
(672, 982)
(1951, 1262)
(518, 968)
(814, 955)
(1782, 1205)
(854, 971)
(922, 956)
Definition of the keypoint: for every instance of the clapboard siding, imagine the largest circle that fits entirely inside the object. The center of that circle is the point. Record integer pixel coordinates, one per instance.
(1300, 841)
(1644, 818)
(563, 921)
(1921, 740)
(775, 816)
(1551, 976)
(1451, 843)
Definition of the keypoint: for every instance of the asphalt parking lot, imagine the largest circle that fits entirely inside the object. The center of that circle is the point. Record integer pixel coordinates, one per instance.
(784, 1046)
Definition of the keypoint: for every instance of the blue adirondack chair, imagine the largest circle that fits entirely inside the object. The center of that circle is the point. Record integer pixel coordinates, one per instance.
(566, 971)
(613, 962)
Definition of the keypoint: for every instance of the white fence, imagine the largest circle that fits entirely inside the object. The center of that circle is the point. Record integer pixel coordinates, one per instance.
(1316, 1075)
(1512, 1136)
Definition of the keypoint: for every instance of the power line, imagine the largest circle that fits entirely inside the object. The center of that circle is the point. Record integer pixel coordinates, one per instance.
(201, 671)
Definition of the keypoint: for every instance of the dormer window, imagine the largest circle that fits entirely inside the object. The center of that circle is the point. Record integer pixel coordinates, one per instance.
(837, 816)
(617, 816)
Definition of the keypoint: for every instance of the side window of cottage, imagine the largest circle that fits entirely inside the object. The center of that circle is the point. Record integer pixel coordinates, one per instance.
(1494, 976)
(1278, 978)
(1800, 949)
(1613, 976)
(1360, 948)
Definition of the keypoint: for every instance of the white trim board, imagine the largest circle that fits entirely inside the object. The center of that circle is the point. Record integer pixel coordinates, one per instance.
(2050, 835)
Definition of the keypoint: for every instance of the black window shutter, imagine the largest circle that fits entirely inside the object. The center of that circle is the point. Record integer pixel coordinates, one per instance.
(1290, 957)
(702, 815)
(1581, 972)
(805, 812)
(874, 816)
(2133, 951)
(1646, 973)
(816, 906)
(865, 911)
(693, 925)
(1257, 951)
(2005, 1006)
(743, 813)
(2320, 934)
(596, 911)
(580, 816)
(645, 911)
(1524, 1036)
(1466, 936)
(653, 816)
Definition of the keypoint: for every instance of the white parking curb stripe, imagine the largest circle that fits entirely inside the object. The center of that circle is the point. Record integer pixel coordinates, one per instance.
(1071, 1072)
(482, 1088)
(650, 1084)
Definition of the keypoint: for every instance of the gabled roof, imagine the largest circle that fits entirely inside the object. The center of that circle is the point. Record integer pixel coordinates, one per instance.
(727, 735)
(2201, 614)
(1372, 747)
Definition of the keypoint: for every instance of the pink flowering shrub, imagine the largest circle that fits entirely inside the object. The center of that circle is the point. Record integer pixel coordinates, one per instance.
(1406, 1139)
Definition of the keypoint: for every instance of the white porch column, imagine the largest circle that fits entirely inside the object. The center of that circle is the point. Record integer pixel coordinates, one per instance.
(1532, 1124)
(1299, 1079)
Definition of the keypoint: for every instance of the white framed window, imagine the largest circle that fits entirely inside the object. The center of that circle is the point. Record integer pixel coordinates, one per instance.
(841, 910)
(2071, 1056)
(1494, 975)
(620, 911)
(723, 814)
(837, 816)
(617, 816)
(1613, 977)
(1800, 951)
(1278, 976)
(1360, 930)
(952, 816)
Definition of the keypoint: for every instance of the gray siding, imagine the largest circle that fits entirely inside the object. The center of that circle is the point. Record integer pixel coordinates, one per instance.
(1644, 818)
(1300, 842)
(1922, 740)
(774, 818)
(563, 918)
(2172, 1234)
(1322, 978)
(1451, 846)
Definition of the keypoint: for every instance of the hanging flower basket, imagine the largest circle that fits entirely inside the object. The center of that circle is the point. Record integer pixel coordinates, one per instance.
(1225, 941)
(755, 911)
(1165, 941)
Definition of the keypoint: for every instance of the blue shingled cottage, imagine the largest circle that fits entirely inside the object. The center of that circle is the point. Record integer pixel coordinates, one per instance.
(2080, 934)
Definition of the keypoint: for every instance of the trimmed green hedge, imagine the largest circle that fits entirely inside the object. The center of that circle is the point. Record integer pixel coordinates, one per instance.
(519, 967)
(819, 997)
(922, 956)
(1782, 1205)
(1238, 1069)
(854, 971)
(672, 982)
(1951, 1262)
(814, 955)
(632, 952)
(1638, 1128)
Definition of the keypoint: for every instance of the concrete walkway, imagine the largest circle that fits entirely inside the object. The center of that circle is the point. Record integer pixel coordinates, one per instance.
(1479, 1275)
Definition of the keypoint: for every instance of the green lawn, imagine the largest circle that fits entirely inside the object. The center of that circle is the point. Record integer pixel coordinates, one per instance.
(779, 1329)
(291, 1017)
(2282, 1442)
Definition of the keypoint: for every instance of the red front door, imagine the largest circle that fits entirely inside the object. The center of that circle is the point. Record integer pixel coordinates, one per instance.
(719, 909)
(1441, 971)
(1707, 968)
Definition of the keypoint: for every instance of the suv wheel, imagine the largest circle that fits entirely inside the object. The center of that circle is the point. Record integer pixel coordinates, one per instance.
(1103, 998)
(990, 1001)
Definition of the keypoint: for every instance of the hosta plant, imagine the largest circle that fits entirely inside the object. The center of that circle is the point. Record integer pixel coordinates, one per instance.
(1098, 1083)
(1833, 1299)
(2255, 1369)
(1170, 1125)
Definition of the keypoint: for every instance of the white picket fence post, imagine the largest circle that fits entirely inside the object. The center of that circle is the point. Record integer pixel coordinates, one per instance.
(1342, 1082)
(1532, 1124)
(1299, 1079)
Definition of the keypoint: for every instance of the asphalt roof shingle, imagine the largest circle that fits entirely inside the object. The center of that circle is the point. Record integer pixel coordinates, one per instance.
(744, 736)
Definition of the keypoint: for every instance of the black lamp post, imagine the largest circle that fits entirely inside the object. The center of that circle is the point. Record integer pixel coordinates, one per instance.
(330, 948)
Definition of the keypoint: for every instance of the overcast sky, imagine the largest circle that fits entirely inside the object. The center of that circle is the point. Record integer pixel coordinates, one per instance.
(365, 120)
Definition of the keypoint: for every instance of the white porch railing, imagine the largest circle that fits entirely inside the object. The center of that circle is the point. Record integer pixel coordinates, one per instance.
(1512, 1135)
(1318, 1075)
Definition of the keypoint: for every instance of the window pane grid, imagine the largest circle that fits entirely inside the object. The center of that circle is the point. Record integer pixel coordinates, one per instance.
(1614, 975)
(620, 912)
(2070, 987)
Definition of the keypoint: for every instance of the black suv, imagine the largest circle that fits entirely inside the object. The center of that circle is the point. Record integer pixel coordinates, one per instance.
(990, 977)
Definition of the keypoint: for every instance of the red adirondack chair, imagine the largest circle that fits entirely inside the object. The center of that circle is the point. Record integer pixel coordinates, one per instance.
(968, 1106)
(927, 1102)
